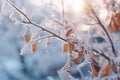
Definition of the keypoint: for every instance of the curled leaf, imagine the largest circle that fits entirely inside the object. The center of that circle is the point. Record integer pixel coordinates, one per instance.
(72, 46)
(34, 47)
(69, 31)
(95, 70)
(95, 67)
(76, 60)
(112, 27)
(105, 70)
(117, 23)
(80, 54)
(66, 47)
(26, 37)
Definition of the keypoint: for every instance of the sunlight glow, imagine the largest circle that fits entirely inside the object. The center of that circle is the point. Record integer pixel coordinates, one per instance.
(36, 2)
(103, 14)
(83, 27)
(76, 5)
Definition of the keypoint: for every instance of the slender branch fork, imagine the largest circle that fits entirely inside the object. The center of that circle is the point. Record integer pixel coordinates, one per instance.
(48, 36)
(30, 22)
(53, 34)
(103, 27)
(105, 30)
(11, 4)
(102, 54)
(48, 31)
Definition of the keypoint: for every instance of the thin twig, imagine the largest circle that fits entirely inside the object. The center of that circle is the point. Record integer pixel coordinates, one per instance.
(91, 23)
(11, 4)
(48, 31)
(32, 23)
(106, 32)
(41, 38)
(56, 21)
(102, 54)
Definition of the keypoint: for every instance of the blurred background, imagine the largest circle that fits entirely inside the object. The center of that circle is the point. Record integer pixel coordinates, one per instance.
(44, 64)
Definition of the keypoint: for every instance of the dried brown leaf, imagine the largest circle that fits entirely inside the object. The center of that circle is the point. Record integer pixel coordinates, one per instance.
(95, 67)
(27, 37)
(69, 31)
(105, 70)
(34, 47)
(76, 60)
(72, 46)
(66, 47)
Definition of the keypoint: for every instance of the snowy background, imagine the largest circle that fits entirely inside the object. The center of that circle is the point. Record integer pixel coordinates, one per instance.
(39, 66)
(44, 64)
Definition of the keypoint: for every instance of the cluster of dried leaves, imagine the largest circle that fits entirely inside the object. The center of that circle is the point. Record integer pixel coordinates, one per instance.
(95, 66)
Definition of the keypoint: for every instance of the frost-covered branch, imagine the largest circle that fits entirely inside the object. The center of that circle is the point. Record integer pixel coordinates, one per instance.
(32, 23)
(102, 54)
(17, 9)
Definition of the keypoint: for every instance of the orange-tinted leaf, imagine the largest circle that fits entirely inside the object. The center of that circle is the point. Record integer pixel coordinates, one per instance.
(72, 46)
(80, 54)
(95, 70)
(66, 47)
(94, 73)
(117, 20)
(95, 67)
(117, 25)
(112, 27)
(76, 60)
(118, 16)
(69, 31)
(105, 70)
(26, 37)
(34, 47)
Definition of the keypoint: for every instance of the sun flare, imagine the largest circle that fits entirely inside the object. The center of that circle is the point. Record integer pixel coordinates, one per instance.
(76, 5)
(36, 2)
(103, 14)
(83, 27)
